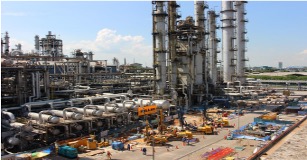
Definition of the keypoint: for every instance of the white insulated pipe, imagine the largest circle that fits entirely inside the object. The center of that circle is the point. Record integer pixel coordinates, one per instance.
(113, 108)
(89, 112)
(240, 15)
(66, 115)
(160, 50)
(212, 46)
(11, 115)
(44, 117)
(228, 40)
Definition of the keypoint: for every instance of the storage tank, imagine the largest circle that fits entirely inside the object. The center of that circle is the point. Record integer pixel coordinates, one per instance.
(45, 117)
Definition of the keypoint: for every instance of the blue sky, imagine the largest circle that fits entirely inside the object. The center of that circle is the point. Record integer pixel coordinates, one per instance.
(122, 29)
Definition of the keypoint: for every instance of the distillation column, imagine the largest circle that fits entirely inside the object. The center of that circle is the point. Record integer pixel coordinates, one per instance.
(172, 5)
(6, 43)
(199, 7)
(159, 33)
(36, 43)
(240, 15)
(213, 40)
(228, 39)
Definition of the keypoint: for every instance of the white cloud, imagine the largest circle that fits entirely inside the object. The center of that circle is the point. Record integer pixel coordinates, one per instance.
(109, 44)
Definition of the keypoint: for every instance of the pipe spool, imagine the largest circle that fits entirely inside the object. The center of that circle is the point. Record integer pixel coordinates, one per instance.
(23, 127)
(72, 115)
(45, 117)
(90, 112)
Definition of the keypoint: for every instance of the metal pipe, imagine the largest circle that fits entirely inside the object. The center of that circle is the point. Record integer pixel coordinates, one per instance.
(89, 106)
(11, 116)
(68, 109)
(41, 121)
(51, 105)
(126, 101)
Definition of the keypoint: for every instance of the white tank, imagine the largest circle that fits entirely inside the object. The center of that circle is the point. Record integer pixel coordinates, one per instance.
(72, 115)
(46, 118)
(128, 105)
(90, 112)
(145, 102)
(164, 104)
(23, 127)
(112, 109)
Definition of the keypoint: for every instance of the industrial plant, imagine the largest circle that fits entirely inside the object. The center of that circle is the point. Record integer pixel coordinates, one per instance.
(48, 97)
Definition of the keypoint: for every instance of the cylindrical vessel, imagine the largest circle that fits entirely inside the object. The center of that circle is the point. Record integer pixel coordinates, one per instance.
(72, 115)
(162, 104)
(90, 112)
(23, 127)
(112, 109)
(228, 39)
(128, 105)
(45, 117)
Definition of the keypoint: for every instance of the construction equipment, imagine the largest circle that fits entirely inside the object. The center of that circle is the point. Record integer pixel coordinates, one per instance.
(175, 135)
(207, 129)
(222, 122)
(157, 139)
(89, 142)
(67, 151)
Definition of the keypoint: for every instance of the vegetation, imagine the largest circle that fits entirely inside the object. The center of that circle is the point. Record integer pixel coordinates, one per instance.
(287, 77)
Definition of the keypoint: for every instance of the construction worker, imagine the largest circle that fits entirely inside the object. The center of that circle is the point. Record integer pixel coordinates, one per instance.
(144, 151)
(109, 155)
(184, 140)
(128, 147)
